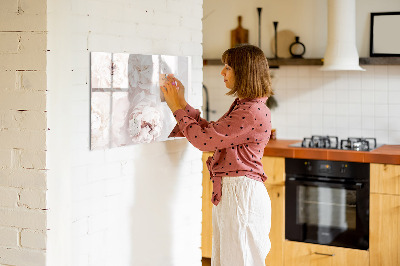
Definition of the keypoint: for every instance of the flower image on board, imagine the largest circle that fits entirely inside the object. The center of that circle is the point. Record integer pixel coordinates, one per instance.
(127, 106)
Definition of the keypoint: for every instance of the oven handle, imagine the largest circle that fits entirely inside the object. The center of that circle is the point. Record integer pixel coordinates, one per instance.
(357, 185)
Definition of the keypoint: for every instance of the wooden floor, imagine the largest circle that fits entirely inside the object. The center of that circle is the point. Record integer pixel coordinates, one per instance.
(206, 261)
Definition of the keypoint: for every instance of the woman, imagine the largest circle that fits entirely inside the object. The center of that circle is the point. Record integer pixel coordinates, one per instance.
(242, 208)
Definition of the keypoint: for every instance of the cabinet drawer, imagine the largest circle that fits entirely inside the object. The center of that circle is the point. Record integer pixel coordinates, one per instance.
(304, 254)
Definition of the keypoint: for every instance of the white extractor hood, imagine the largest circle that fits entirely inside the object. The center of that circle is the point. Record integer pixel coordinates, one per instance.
(341, 51)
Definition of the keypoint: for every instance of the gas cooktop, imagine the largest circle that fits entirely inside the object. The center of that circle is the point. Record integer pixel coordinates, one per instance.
(332, 142)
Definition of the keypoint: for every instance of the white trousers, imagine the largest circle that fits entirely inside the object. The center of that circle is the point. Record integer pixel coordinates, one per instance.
(241, 223)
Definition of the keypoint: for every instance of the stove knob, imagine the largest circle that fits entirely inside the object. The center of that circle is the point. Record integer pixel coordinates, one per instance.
(308, 166)
(343, 168)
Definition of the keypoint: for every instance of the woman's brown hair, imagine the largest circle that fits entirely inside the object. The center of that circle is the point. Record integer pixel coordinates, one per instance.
(250, 66)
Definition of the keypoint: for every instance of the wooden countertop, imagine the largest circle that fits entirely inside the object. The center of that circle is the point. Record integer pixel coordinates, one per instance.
(389, 154)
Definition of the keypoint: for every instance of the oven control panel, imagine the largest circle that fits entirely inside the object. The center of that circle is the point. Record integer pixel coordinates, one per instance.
(337, 169)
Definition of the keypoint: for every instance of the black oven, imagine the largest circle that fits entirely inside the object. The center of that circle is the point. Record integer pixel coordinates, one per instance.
(327, 202)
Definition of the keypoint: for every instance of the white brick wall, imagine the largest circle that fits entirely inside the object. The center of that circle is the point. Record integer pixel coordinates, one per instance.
(136, 205)
(23, 132)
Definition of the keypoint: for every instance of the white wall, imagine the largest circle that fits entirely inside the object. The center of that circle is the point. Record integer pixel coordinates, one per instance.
(306, 19)
(23, 133)
(136, 205)
(344, 103)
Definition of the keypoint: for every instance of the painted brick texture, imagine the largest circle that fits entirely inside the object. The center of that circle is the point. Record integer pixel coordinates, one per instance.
(135, 205)
(23, 132)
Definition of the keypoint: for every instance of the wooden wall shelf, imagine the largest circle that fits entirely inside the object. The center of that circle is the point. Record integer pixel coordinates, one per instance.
(380, 61)
(273, 63)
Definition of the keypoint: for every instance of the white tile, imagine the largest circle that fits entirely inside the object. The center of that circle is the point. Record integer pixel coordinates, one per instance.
(329, 94)
(329, 109)
(394, 97)
(317, 131)
(317, 121)
(293, 120)
(394, 110)
(304, 109)
(342, 81)
(381, 84)
(328, 74)
(367, 133)
(342, 133)
(279, 72)
(354, 80)
(291, 71)
(303, 82)
(316, 72)
(394, 70)
(381, 123)
(317, 107)
(316, 82)
(329, 131)
(394, 137)
(367, 96)
(355, 122)
(342, 96)
(369, 70)
(342, 109)
(354, 74)
(367, 83)
(368, 122)
(329, 122)
(367, 110)
(394, 123)
(381, 110)
(382, 136)
(317, 95)
(355, 109)
(394, 83)
(342, 122)
(292, 83)
(381, 71)
(278, 83)
(355, 96)
(381, 97)
(304, 72)
(355, 132)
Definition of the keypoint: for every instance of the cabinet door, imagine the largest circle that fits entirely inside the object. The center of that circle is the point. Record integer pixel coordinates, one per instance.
(274, 168)
(384, 230)
(385, 178)
(206, 226)
(304, 254)
(277, 233)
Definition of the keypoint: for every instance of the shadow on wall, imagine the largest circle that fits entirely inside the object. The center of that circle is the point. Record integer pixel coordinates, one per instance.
(153, 219)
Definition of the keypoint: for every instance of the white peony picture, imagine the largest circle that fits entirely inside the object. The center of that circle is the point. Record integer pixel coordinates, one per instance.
(127, 105)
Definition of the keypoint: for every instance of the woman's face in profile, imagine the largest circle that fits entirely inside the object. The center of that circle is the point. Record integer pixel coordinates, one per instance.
(229, 76)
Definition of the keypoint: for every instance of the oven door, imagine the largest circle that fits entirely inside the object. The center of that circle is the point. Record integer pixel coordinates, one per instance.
(327, 213)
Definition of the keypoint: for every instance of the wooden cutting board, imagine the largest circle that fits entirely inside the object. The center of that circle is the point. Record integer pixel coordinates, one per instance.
(239, 35)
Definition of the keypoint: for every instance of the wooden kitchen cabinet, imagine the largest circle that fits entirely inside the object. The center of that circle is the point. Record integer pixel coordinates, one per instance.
(305, 254)
(385, 178)
(274, 168)
(277, 233)
(206, 225)
(384, 215)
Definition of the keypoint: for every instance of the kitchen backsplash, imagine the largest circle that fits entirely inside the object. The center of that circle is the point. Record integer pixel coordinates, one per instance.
(314, 102)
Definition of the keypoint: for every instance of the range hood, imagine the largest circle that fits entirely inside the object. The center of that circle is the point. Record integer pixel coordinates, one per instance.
(341, 51)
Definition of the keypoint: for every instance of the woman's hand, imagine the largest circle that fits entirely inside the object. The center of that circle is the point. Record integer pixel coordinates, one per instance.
(181, 91)
(173, 94)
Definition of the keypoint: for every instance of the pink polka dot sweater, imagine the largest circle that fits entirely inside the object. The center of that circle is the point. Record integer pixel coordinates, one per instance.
(238, 139)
